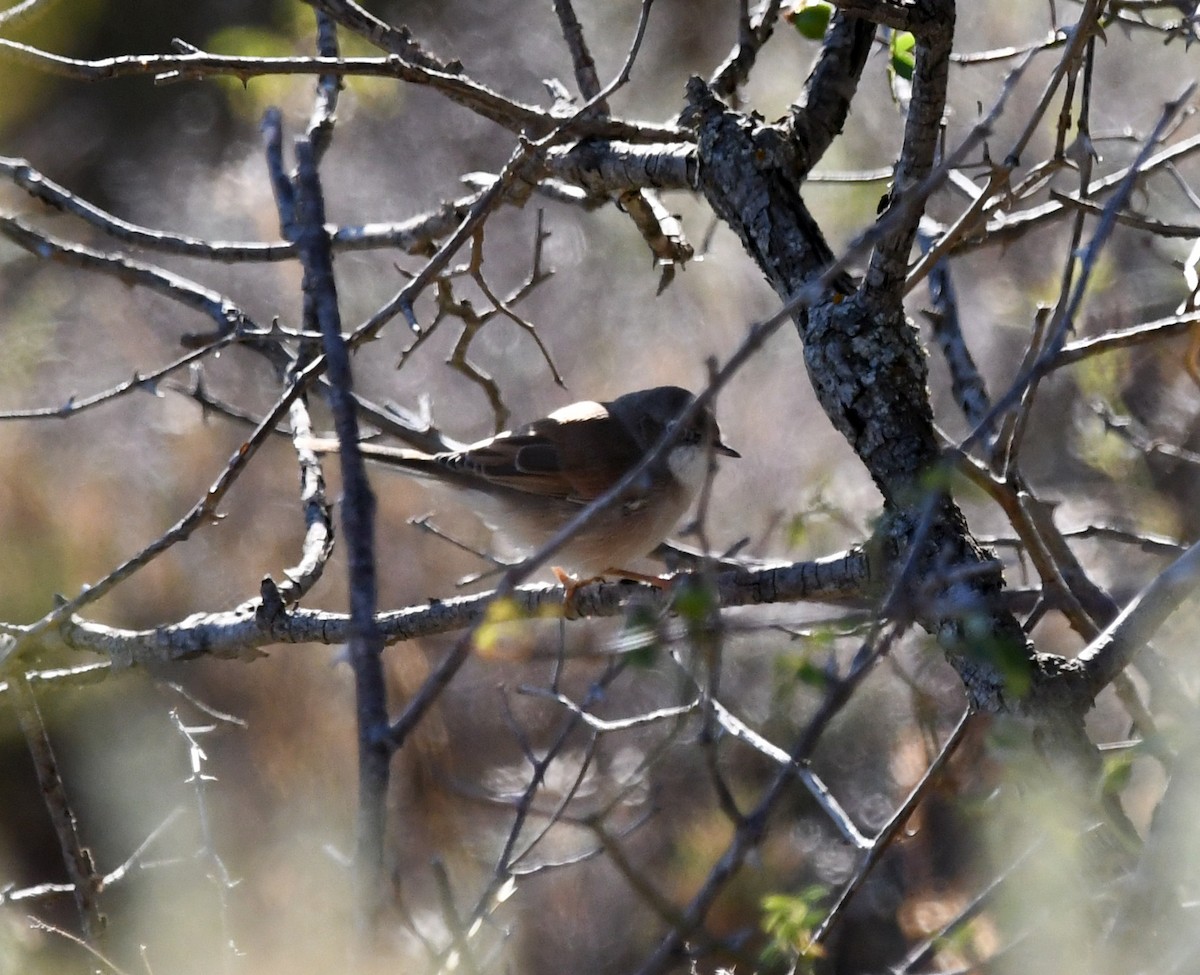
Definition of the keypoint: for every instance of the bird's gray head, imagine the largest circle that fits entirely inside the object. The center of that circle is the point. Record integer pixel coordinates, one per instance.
(647, 413)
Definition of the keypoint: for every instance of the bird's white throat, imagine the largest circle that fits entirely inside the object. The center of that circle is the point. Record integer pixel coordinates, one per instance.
(689, 464)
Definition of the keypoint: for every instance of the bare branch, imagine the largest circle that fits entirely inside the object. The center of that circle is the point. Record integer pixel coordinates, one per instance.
(754, 30)
(515, 116)
(397, 40)
(238, 632)
(1120, 642)
(227, 316)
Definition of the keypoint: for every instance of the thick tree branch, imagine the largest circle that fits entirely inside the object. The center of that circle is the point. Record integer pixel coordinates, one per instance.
(754, 30)
(868, 370)
(819, 114)
(605, 168)
(744, 173)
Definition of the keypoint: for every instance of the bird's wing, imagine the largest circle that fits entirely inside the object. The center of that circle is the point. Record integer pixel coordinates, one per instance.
(574, 454)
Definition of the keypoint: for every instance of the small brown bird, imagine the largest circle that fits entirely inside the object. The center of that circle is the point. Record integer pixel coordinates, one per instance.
(529, 482)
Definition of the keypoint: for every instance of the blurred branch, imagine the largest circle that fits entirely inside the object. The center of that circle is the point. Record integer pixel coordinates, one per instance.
(1065, 314)
(216, 871)
(966, 383)
(878, 845)
(83, 675)
(999, 187)
(1138, 222)
(26, 12)
(77, 859)
(819, 791)
(508, 863)
(1009, 226)
(926, 949)
(1120, 642)
(751, 828)
(119, 873)
(1132, 433)
(1151, 544)
(1161, 328)
(1052, 39)
(302, 218)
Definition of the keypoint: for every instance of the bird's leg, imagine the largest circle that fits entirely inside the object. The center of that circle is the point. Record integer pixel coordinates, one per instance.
(573, 585)
(658, 582)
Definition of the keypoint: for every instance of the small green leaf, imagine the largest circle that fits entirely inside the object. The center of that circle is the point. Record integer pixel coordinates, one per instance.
(1118, 770)
(789, 920)
(796, 530)
(802, 668)
(693, 600)
(811, 674)
(903, 58)
(811, 18)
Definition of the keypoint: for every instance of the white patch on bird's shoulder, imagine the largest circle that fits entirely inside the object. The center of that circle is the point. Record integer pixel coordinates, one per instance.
(583, 410)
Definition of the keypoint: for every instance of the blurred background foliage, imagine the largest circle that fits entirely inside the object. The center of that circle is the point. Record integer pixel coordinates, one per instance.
(79, 496)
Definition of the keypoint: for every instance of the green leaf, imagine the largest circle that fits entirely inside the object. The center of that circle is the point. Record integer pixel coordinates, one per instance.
(801, 668)
(811, 18)
(1118, 770)
(903, 58)
(693, 600)
(789, 920)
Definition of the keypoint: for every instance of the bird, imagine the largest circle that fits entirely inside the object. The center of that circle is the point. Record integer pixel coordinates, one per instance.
(527, 483)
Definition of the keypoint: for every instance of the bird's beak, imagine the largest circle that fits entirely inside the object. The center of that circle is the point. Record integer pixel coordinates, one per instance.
(724, 448)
